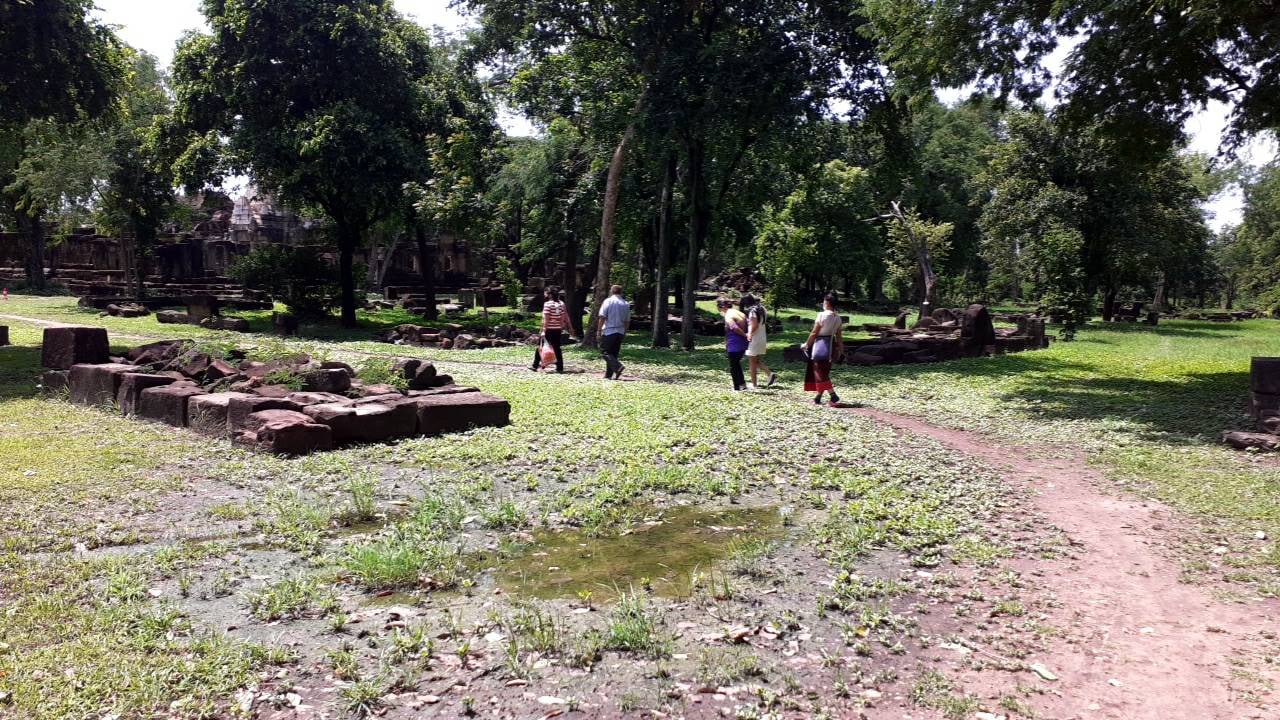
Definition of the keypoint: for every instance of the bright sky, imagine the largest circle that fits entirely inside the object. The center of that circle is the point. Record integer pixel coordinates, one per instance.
(156, 26)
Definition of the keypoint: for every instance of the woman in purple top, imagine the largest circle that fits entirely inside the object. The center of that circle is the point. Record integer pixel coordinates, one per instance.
(735, 340)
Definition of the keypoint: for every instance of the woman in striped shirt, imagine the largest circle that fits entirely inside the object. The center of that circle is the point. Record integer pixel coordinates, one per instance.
(554, 321)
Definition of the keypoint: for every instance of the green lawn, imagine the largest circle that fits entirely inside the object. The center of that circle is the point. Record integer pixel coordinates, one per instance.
(150, 572)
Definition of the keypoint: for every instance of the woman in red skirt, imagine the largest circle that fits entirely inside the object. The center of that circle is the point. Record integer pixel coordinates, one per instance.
(824, 343)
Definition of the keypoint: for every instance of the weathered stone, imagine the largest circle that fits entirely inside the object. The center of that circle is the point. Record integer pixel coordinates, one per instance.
(156, 352)
(444, 390)
(69, 345)
(366, 421)
(456, 412)
(378, 389)
(273, 391)
(289, 433)
(195, 365)
(284, 323)
(240, 408)
(326, 380)
(219, 369)
(172, 317)
(208, 413)
(336, 365)
(96, 384)
(423, 377)
(943, 315)
(446, 344)
(200, 307)
(1271, 423)
(793, 353)
(167, 403)
(234, 324)
(406, 367)
(977, 329)
(4, 335)
(1246, 440)
(920, 356)
(255, 420)
(1264, 375)
(1263, 404)
(54, 382)
(463, 341)
(131, 386)
(315, 398)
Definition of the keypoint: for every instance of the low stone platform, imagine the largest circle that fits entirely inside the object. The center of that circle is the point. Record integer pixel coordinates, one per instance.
(259, 403)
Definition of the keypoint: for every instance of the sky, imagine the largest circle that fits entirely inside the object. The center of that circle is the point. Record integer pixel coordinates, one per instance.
(156, 26)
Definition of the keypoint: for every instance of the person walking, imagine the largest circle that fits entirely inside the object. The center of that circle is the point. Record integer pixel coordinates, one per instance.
(735, 340)
(554, 319)
(757, 339)
(824, 343)
(615, 316)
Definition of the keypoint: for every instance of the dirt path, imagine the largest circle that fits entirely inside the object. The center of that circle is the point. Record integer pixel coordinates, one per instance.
(1140, 643)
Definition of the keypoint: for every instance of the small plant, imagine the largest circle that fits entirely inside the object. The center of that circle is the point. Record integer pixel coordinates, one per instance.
(343, 662)
(363, 697)
(390, 564)
(539, 629)
(285, 377)
(633, 627)
(286, 599)
(364, 504)
(505, 273)
(718, 667)
(381, 371)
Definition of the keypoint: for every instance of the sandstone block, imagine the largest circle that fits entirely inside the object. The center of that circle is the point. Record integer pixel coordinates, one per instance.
(96, 384)
(240, 408)
(167, 403)
(289, 433)
(208, 413)
(333, 380)
(455, 412)
(366, 421)
(72, 345)
(54, 382)
(131, 386)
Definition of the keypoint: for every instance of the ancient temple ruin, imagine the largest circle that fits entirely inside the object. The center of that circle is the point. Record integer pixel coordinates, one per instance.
(196, 259)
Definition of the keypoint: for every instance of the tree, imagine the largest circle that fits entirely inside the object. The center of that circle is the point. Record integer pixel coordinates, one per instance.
(57, 68)
(1138, 66)
(1074, 210)
(1259, 238)
(916, 244)
(138, 190)
(462, 155)
(324, 102)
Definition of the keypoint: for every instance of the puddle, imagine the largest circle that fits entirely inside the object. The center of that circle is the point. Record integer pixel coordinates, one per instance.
(562, 564)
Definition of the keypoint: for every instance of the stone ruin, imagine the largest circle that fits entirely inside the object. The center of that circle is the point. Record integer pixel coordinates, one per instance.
(452, 336)
(292, 405)
(946, 334)
(1264, 407)
(738, 280)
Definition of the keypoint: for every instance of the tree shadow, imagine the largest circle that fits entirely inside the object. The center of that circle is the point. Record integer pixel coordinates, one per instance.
(19, 371)
(1197, 404)
(1183, 328)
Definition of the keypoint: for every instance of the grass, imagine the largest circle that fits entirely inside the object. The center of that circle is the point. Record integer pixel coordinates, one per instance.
(1144, 404)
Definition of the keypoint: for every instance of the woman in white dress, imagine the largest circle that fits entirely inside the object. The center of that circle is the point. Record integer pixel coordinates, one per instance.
(757, 339)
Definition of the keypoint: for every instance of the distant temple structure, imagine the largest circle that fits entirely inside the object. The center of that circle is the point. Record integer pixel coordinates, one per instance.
(197, 259)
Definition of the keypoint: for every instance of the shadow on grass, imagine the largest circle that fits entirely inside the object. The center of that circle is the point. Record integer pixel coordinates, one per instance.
(19, 371)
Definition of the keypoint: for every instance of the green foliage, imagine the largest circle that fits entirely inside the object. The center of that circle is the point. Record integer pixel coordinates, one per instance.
(299, 277)
(381, 371)
(265, 79)
(823, 229)
(505, 273)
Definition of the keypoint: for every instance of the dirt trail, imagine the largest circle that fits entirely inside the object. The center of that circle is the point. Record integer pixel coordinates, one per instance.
(1140, 643)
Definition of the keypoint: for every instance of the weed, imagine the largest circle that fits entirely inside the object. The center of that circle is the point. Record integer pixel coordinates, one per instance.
(286, 599)
(634, 627)
(390, 564)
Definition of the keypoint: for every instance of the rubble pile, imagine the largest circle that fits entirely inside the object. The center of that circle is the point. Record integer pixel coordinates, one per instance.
(290, 405)
(947, 334)
(452, 336)
(740, 280)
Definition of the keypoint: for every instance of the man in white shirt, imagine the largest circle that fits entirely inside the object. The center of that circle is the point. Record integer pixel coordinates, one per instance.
(615, 316)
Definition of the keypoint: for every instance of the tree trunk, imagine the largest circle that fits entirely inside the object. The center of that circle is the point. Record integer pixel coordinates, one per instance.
(427, 266)
(1160, 301)
(662, 267)
(144, 240)
(1109, 303)
(608, 217)
(348, 239)
(697, 228)
(570, 286)
(33, 232)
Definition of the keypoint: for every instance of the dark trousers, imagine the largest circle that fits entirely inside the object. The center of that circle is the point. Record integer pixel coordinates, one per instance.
(735, 369)
(554, 338)
(610, 348)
